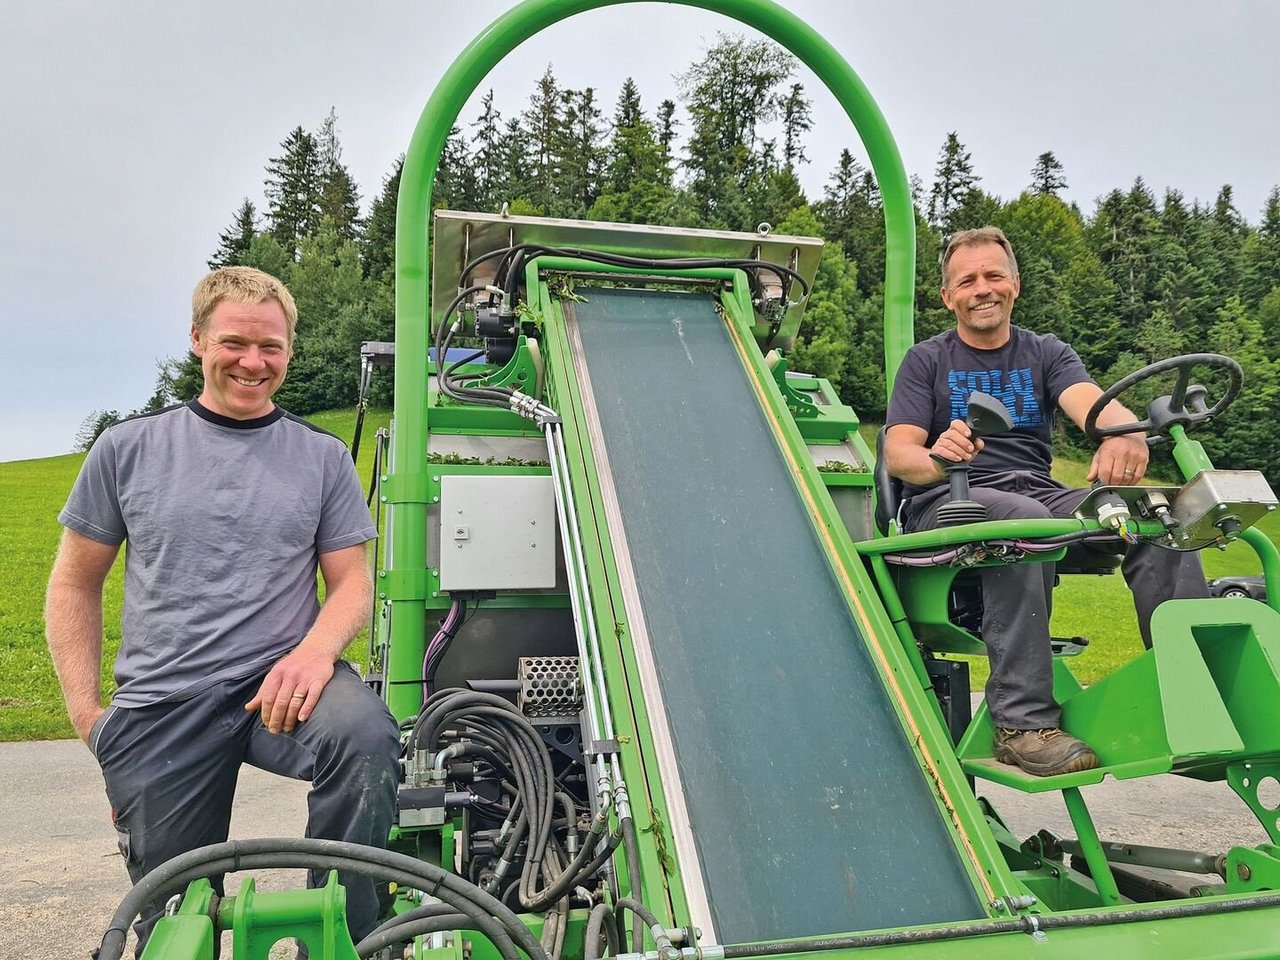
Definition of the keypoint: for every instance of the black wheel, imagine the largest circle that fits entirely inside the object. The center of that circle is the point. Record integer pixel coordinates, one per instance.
(1235, 592)
(1185, 407)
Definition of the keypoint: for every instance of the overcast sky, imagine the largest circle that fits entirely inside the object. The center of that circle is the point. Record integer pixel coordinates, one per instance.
(132, 131)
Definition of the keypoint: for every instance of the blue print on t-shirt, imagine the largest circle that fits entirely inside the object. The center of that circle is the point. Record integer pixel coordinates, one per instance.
(1014, 388)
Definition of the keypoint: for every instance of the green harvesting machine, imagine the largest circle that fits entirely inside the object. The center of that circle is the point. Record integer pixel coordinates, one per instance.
(674, 686)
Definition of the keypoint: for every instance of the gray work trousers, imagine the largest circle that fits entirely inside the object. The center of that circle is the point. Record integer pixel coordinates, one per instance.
(1017, 599)
(171, 769)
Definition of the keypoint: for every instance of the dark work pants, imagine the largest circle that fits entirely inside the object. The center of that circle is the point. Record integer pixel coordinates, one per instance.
(171, 770)
(1017, 599)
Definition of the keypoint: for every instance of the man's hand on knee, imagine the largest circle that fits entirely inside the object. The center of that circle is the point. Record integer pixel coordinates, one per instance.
(290, 691)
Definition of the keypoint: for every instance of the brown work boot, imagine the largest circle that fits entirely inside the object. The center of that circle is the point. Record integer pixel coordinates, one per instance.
(1044, 753)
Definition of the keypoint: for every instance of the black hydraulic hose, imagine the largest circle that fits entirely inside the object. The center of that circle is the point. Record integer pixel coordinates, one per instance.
(645, 916)
(235, 855)
(1023, 924)
(632, 851)
(388, 935)
(420, 912)
(582, 867)
(600, 920)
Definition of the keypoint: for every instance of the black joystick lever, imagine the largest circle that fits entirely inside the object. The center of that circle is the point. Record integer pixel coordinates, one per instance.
(986, 417)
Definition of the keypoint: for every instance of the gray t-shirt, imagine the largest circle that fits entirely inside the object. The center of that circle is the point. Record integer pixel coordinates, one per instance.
(225, 521)
(1027, 374)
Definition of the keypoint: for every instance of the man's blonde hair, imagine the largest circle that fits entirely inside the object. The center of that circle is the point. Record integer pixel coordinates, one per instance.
(240, 285)
(977, 238)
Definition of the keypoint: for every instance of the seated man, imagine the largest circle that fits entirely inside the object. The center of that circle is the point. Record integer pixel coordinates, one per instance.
(228, 505)
(1032, 374)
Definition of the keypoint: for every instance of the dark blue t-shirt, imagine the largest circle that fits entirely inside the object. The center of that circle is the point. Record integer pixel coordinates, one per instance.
(1027, 374)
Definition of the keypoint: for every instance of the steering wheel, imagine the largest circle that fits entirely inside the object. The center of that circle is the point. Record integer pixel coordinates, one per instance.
(1185, 407)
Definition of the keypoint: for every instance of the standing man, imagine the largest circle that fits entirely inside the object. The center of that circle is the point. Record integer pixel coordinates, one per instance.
(1032, 374)
(229, 505)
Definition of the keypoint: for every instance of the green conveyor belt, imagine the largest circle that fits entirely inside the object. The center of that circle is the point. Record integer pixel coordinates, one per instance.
(808, 808)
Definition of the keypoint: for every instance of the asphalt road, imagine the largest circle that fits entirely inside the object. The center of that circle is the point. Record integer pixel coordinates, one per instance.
(61, 877)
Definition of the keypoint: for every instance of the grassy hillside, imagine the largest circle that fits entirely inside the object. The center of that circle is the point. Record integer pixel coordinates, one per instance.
(33, 491)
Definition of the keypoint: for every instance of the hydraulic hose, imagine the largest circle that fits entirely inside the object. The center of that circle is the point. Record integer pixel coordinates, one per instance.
(600, 920)
(388, 935)
(234, 855)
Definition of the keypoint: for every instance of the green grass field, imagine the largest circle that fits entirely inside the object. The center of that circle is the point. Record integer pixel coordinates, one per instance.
(33, 491)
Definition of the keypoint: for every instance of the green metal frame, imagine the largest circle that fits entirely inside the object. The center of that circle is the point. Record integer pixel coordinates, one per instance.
(1224, 659)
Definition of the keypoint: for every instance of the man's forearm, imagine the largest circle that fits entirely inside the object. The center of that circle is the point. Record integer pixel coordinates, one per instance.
(73, 629)
(344, 613)
(913, 465)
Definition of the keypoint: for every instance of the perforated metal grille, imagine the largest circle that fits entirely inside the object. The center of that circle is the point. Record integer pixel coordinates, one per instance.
(548, 687)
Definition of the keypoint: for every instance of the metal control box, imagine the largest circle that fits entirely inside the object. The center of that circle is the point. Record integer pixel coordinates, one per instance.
(1217, 495)
(497, 533)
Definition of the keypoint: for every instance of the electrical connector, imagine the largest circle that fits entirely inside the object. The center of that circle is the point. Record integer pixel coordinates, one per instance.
(1113, 512)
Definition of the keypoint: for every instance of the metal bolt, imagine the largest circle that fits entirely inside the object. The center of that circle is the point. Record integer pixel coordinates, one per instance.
(1243, 871)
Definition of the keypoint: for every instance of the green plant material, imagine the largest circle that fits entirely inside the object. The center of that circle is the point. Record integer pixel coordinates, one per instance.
(457, 459)
(560, 286)
(658, 829)
(839, 466)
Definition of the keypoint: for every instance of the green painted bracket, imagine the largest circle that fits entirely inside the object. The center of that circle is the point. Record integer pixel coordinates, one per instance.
(187, 934)
(1245, 778)
(797, 403)
(1250, 869)
(522, 372)
(406, 488)
(404, 584)
(317, 917)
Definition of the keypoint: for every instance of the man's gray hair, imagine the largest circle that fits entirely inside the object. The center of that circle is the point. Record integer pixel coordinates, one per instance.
(976, 238)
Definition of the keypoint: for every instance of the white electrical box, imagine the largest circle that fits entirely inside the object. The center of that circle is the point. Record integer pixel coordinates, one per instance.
(497, 533)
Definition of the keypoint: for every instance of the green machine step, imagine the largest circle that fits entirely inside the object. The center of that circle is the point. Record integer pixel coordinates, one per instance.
(807, 808)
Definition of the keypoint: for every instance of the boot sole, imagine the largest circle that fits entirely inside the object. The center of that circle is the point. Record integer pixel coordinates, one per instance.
(1085, 759)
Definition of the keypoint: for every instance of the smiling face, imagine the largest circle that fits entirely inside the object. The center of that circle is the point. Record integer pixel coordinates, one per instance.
(980, 290)
(244, 353)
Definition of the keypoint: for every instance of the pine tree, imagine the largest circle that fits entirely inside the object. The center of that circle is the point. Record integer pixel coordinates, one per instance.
(233, 242)
(294, 185)
(339, 198)
(380, 229)
(797, 120)
(580, 152)
(486, 155)
(92, 426)
(517, 181)
(541, 126)
(636, 179)
(1260, 269)
(667, 124)
(455, 186)
(1046, 176)
(851, 214)
(953, 181)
